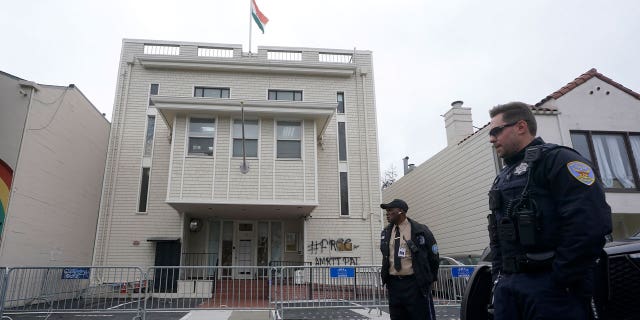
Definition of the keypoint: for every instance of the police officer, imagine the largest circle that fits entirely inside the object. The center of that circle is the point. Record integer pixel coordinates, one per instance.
(548, 223)
(410, 264)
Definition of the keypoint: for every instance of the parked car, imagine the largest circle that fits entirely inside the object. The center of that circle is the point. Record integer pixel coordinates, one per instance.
(617, 284)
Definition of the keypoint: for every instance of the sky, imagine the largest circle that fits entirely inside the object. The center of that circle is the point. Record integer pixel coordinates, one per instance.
(426, 53)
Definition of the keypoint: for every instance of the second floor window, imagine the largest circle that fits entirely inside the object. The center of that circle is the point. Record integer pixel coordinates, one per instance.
(616, 155)
(203, 92)
(340, 98)
(250, 137)
(289, 140)
(285, 95)
(201, 134)
(148, 141)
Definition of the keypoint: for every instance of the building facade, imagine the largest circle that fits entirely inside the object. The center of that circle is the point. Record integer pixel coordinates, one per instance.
(593, 114)
(53, 145)
(223, 158)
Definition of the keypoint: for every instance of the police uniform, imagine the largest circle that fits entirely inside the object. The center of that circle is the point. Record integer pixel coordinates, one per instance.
(410, 287)
(548, 226)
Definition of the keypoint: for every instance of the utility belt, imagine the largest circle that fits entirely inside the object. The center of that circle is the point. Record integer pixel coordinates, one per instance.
(528, 263)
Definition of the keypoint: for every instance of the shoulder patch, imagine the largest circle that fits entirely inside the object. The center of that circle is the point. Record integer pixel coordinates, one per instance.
(521, 169)
(434, 249)
(582, 172)
(421, 240)
(382, 234)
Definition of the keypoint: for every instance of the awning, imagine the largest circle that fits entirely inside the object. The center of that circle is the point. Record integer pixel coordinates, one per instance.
(170, 107)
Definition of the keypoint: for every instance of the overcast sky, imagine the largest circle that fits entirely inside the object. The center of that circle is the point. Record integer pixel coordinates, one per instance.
(426, 53)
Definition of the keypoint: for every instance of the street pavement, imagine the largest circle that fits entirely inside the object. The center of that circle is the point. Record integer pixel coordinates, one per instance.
(442, 313)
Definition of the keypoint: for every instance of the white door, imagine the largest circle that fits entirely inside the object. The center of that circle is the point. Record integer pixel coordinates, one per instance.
(245, 255)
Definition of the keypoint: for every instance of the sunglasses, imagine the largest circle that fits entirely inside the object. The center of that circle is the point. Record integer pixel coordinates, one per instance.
(496, 131)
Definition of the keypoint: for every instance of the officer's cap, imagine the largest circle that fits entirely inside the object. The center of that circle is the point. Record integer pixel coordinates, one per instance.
(396, 203)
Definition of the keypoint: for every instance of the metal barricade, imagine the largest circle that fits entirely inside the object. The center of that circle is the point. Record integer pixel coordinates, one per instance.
(451, 284)
(304, 287)
(211, 287)
(73, 290)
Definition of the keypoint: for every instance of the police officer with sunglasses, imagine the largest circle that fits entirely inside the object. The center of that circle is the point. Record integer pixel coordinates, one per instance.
(548, 222)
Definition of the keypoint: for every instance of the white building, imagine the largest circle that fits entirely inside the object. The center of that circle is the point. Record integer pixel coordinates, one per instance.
(175, 192)
(53, 146)
(593, 114)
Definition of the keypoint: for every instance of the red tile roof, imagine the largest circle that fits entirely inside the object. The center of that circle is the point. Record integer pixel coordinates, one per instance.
(580, 80)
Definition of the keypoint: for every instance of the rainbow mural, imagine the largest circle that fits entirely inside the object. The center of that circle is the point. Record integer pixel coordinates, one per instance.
(6, 175)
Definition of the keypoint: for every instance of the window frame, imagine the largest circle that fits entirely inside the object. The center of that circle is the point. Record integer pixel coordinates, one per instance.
(343, 177)
(149, 137)
(257, 139)
(276, 91)
(140, 191)
(340, 109)
(342, 142)
(189, 136)
(300, 139)
(631, 157)
(220, 89)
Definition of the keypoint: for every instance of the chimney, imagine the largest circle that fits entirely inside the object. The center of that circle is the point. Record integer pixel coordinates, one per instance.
(405, 165)
(408, 167)
(458, 123)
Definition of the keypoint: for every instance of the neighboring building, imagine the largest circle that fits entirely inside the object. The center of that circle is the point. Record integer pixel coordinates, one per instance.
(176, 190)
(593, 114)
(53, 146)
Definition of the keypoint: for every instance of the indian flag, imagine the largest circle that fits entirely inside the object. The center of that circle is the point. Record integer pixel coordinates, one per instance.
(258, 16)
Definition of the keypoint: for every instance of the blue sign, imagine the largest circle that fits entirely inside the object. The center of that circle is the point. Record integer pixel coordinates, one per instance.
(461, 272)
(342, 272)
(75, 273)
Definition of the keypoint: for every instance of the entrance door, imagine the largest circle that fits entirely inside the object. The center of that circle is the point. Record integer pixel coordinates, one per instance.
(167, 255)
(245, 252)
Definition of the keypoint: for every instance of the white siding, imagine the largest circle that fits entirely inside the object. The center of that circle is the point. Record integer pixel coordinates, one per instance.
(53, 210)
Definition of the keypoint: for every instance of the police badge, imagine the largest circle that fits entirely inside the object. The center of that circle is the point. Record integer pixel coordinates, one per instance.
(520, 169)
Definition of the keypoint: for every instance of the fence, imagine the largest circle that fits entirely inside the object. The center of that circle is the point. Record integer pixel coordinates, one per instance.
(282, 288)
(73, 289)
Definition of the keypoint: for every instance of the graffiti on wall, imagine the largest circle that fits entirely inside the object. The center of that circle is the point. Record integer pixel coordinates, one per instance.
(323, 245)
(337, 261)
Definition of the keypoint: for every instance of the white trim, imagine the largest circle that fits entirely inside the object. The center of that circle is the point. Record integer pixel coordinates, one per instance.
(185, 147)
(275, 155)
(172, 150)
(229, 157)
(315, 161)
(259, 152)
(303, 156)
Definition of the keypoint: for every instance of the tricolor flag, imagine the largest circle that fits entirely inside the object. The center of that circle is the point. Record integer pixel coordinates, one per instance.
(257, 15)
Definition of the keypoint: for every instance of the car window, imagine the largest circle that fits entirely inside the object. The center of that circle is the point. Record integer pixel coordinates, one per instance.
(444, 262)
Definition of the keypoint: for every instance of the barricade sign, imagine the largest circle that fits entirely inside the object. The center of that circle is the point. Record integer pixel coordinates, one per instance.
(75, 273)
(342, 272)
(461, 272)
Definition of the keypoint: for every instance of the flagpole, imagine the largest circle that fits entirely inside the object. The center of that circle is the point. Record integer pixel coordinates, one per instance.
(250, 24)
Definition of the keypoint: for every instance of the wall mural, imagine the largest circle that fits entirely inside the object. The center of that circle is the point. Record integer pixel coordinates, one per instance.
(6, 174)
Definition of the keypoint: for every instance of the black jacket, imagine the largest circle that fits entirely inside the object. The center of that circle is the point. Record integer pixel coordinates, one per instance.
(573, 216)
(426, 259)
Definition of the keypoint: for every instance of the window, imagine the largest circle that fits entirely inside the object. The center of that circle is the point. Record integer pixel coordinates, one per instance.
(340, 97)
(250, 138)
(144, 190)
(154, 89)
(148, 141)
(344, 194)
(614, 154)
(203, 92)
(289, 139)
(285, 95)
(201, 134)
(342, 142)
